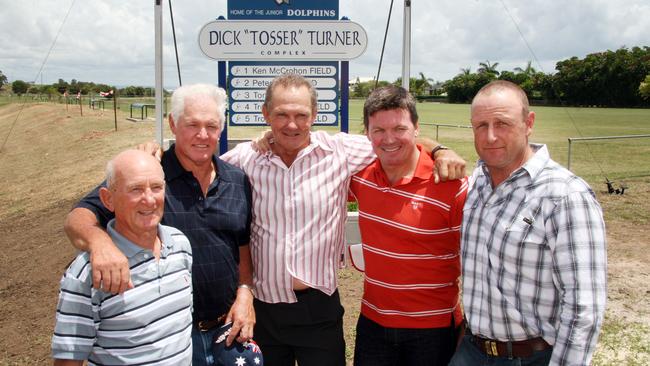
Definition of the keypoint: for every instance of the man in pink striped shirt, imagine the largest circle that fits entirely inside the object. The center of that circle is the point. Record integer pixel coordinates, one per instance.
(297, 233)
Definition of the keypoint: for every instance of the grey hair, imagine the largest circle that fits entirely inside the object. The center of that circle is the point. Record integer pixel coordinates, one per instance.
(500, 85)
(194, 90)
(110, 174)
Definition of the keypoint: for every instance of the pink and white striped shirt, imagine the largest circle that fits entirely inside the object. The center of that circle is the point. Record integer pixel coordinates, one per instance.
(299, 212)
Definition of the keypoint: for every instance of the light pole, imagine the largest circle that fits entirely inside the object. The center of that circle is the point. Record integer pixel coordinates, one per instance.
(406, 46)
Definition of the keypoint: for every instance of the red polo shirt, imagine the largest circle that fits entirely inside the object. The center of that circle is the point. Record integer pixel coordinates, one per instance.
(411, 243)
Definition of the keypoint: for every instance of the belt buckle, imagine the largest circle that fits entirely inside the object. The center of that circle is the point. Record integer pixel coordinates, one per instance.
(491, 348)
(203, 326)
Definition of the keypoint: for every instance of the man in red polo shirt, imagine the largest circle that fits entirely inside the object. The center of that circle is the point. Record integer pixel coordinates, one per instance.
(410, 230)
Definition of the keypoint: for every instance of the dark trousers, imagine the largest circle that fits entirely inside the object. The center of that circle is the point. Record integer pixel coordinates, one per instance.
(309, 331)
(468, 354)
(380, 346)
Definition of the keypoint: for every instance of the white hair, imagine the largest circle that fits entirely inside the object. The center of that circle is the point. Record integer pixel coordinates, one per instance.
(194, 90)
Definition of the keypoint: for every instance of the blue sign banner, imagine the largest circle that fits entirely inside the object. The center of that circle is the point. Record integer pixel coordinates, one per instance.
(283, 9)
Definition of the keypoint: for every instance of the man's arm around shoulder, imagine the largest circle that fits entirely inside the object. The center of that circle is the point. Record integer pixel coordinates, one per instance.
(110, 266)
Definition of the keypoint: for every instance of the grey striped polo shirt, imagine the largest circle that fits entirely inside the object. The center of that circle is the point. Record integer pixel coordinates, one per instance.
(149, 324)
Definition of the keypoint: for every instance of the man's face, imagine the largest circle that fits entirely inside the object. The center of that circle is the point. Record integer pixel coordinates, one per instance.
(392, 135)
(197, 131)
(138, 197)
(290, 115)
(501, 131)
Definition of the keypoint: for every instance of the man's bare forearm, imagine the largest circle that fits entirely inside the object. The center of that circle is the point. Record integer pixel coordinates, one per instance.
(245, 266)
(83, 229)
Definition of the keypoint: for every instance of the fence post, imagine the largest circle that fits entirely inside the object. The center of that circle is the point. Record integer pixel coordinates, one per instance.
(568, 164)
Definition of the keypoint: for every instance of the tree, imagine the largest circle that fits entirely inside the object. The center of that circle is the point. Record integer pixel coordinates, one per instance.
(609, 78)
(644, 88)
(19, 87)
(488, 68)
(528, 71)
(3, 79)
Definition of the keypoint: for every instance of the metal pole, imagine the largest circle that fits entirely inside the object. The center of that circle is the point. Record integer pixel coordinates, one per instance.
(159, 71)
(115, 107)
(406, 46)
(345, 96)
(568, 164)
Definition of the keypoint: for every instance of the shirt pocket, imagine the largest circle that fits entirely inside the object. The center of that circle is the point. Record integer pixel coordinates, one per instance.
(527, 227)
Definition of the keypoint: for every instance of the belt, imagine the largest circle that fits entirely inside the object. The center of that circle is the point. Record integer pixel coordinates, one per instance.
(206, 325)
(513, 349)
(304, 291)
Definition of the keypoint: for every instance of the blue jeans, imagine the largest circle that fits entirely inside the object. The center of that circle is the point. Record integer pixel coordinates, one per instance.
(376, 345)
(202, 347)
(468, 354)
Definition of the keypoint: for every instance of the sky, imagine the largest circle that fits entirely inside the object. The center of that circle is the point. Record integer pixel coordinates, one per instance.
(112, 41)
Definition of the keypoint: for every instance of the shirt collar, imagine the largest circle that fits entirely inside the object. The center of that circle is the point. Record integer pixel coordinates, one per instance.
(173, 167)
(423, 169)
(128, 247)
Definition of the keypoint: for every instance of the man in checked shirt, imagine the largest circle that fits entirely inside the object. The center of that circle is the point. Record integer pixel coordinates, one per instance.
(533, 246)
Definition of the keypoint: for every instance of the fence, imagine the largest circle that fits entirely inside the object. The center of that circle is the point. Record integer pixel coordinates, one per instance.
(438, 125)
(571, 139)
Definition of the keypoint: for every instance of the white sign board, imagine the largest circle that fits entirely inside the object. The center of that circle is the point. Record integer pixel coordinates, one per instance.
(249, 40)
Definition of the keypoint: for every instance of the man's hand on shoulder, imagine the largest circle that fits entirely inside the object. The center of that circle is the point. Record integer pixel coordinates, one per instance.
(262, 144)
(448, 166)
(110, 268)
(151, 147)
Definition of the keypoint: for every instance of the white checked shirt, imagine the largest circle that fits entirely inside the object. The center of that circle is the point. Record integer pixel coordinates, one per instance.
(535, 259)
(299, 212)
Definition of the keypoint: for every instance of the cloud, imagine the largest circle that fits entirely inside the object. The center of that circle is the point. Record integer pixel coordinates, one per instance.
(112, 41)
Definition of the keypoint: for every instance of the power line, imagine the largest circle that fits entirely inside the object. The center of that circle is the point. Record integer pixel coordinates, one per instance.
(40, 70)
(555, 91)
(383, 46)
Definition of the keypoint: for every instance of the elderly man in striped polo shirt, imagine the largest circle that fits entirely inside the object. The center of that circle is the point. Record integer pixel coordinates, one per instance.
(152, 322)
(410, 230)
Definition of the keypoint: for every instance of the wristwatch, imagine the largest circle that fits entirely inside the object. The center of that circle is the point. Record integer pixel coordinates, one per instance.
(249, 288)
(438, 148)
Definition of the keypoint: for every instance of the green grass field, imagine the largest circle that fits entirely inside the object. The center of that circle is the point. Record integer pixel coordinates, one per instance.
(593, 160)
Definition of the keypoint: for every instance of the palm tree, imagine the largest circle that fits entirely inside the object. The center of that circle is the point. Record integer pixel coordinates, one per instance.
(488, 68)
(466, 71)
(528, 71)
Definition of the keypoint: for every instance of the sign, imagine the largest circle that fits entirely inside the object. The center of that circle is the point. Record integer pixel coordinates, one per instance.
(285, 9)
(248, 82)
(281, 40)
(265, 38)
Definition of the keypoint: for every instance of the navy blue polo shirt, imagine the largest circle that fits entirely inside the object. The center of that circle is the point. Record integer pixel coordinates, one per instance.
(216, 226)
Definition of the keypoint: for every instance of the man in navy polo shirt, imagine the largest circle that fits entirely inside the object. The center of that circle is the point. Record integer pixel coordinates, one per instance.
(210, 202)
